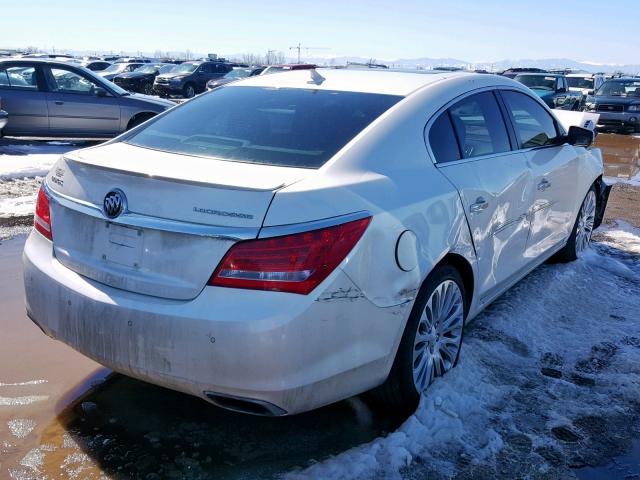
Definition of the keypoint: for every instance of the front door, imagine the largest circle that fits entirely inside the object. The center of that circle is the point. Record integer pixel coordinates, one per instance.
(555, 172)
(494, 185)
(75, 107)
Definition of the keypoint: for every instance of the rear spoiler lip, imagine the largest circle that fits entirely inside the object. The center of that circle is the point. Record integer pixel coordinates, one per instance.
(77, 159)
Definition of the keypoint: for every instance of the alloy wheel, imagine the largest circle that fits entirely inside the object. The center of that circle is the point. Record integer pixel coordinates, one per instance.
(439, 334)
(586, 218)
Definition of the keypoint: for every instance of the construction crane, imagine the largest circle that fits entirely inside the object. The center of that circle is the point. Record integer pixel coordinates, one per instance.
(300, 47)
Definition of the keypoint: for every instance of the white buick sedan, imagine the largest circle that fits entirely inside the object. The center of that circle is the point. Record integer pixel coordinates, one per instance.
(291, 240)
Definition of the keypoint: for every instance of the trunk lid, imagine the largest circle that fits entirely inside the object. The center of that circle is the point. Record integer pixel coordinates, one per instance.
(182, 215)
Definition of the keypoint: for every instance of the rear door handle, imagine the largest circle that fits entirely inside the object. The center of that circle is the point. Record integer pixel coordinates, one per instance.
(59, 102)
(480, 205)
(544, 184)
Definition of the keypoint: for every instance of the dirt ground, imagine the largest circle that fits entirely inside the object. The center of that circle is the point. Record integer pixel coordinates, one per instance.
(624, 204)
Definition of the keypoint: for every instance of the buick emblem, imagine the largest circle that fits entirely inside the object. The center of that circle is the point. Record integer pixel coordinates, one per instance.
(114, 203)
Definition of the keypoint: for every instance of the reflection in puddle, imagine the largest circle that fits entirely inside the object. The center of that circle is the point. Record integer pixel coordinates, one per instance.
(621, 154)
(626, 466)
(132, 429)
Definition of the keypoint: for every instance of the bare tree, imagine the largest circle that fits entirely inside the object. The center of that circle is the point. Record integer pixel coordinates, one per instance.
(252, 59)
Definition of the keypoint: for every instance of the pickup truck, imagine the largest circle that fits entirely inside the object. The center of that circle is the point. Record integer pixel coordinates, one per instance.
(553, 89)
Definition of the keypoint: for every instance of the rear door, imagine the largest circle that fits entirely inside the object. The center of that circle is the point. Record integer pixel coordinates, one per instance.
(493, 181)
(24, 97)
(554, 167)
(75, 109)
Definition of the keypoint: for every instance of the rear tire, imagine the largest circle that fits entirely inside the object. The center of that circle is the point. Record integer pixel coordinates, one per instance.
(580, 238)
(430, 344)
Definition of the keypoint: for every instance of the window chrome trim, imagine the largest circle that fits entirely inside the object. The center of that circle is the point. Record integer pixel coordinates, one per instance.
(154, 223)
(292, 228)
(496, 88)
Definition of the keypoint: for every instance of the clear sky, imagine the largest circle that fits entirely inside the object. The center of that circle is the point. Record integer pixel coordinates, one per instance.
(472, 30)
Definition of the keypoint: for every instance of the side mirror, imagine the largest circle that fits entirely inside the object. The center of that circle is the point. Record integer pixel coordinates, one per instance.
(590, 92)
(580, 137)
(100, 92)
(562, 90)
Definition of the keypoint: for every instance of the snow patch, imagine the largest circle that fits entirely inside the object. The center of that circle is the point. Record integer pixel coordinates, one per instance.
(547, 361)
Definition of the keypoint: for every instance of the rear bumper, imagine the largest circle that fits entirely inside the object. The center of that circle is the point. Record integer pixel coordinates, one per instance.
(291, 353)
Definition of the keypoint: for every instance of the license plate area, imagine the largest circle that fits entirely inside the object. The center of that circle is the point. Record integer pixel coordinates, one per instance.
(122, 245)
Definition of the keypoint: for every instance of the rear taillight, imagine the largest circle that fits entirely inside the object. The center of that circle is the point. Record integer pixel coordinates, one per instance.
(42, 218)
(293, 263)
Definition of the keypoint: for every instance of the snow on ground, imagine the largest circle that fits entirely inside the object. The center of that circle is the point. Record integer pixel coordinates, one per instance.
(635, 180)
(22, 166)
(31, 160)
(548, 381)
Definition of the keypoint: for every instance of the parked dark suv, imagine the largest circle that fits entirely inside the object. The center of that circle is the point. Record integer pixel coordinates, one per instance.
(618, 103)
(190, 78)
(142, 78)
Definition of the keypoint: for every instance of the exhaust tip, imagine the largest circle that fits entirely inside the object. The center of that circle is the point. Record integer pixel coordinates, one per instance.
(244, 405)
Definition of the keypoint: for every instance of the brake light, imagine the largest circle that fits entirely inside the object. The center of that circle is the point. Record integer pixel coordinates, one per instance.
(294, 263)
(42, 218)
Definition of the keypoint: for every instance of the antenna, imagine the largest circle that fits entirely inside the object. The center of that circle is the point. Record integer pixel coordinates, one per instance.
(300, 47)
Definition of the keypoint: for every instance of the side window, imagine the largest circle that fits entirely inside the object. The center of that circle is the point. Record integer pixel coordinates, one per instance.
(443, 141)
(205, 68)
(534, 126)
(479, 126)
(67, 81)
(19, 78)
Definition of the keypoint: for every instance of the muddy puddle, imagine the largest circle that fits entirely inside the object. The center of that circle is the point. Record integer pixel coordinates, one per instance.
(621, 154)
(64, 416)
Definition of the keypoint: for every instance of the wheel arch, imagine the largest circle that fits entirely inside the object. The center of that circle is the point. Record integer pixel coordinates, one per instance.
(602, 197)
(139, 118)
(464, 268)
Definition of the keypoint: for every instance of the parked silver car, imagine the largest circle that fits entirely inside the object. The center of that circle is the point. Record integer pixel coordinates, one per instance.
(61, 99)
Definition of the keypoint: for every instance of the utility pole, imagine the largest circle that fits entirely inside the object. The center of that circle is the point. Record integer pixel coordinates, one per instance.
(299, 47)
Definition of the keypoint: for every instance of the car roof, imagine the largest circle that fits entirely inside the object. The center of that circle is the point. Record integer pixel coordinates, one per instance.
(541, 74)
(49, 61)
(389, 82)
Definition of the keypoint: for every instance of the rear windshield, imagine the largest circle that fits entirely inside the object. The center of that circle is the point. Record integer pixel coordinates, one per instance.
(273, 126)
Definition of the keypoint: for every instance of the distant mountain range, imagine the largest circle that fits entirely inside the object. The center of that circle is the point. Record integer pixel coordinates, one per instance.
(429, 63)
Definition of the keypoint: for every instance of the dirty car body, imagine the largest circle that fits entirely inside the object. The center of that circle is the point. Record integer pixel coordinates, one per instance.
(172, 253)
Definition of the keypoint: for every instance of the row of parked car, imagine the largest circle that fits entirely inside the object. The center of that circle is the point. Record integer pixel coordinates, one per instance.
(104, 97)
(616, 99)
